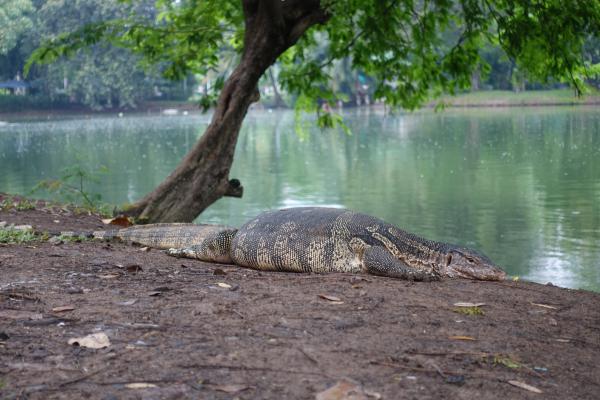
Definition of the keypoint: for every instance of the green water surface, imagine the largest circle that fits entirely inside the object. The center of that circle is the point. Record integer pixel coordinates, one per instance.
(522, 185)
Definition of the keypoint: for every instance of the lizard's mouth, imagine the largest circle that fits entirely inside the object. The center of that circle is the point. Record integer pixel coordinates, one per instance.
(465, 274)
(463, 267)
(483, 273)
(454, 272)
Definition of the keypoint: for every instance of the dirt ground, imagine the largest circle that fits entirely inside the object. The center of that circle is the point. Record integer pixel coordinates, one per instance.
(188, 329)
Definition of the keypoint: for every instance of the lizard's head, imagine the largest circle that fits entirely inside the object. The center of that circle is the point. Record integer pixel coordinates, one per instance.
(466, 263)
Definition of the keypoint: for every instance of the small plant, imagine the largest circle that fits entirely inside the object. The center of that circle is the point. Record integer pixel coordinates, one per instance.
(6, 203)
(508, 362)
(71, 187)
(16, 236)
(469, 310)
(24, 205)
(9, 203)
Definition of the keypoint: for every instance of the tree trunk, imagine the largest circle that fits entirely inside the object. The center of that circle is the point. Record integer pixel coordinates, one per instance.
(202, 177)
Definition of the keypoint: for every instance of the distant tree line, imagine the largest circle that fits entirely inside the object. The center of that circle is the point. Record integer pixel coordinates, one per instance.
(100, 77)
(104, 76)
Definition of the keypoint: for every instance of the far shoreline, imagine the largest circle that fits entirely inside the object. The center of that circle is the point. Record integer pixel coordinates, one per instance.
(476, 99)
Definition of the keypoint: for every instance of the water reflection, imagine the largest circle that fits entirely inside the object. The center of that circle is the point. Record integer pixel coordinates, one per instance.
(520, 185)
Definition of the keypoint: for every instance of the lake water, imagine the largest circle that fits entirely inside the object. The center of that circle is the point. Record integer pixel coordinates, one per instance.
(522, 185)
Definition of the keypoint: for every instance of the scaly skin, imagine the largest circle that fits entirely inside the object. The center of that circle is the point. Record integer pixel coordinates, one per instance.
(313, 239)
(213, 241)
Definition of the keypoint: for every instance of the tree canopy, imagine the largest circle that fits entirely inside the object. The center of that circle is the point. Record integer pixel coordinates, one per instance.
(103, 76)
(413, 49)
(14, 19)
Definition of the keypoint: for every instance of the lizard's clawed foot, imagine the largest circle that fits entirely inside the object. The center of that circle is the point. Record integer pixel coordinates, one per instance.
(175, 252)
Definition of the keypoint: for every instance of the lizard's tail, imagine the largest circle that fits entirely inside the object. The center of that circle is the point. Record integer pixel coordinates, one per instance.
(102, 235)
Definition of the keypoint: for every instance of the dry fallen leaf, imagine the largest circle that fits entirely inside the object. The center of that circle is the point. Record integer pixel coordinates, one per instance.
(109, 276)
(459, 337)
(121, 220)
(231, 389)
(94, 341)
(140, 385)
(224, 285)
(346, 389)
(331, 299)
(525, 386)
(127, 302)
(467, 304)
(544, 306)
(63, 309)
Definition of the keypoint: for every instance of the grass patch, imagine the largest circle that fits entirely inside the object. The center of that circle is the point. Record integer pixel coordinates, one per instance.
(469, 310)
(17, 236)
(24, 205)
(9, 203)
(71, 188)
(104, 210)
(506, 361)
(528, 98)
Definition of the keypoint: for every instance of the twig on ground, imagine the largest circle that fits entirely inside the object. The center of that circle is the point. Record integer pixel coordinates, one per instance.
(311, 358)
(250, 368)
(81, 378)
(449, 353)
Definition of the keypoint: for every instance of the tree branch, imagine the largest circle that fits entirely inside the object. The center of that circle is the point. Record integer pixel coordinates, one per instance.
(357, 36)
(316, 17)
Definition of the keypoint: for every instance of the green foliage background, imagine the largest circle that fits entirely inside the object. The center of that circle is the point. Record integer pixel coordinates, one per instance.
(406, 50)
(101, 76)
